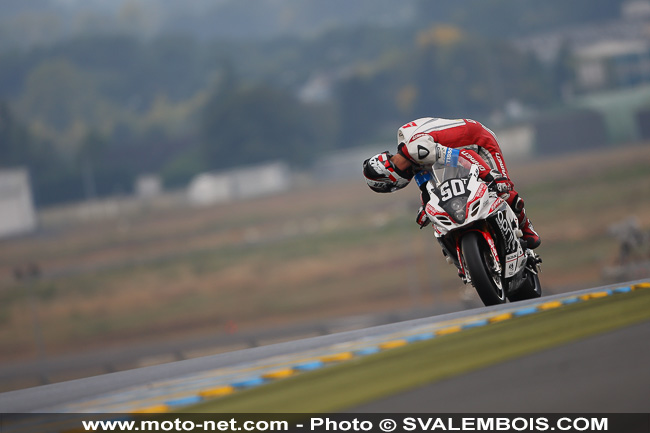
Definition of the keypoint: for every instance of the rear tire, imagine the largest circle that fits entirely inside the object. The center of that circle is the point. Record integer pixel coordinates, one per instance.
(479, 264)
(530, 289)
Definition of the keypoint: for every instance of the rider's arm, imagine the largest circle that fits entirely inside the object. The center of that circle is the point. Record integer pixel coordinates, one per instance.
(500, 182)
(387, 173)
(424, 151)
(471, 157)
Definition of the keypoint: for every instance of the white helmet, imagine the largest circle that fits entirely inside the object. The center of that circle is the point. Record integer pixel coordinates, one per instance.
(406, 132)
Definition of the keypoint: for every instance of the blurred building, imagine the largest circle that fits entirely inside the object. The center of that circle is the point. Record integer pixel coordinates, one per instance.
(17, 215)
(240, 183)
(612, 64)
(636, 10)
(517, 141)
(346, 164)
(148, 186)
(260, 180)
(618, 38)
(605, 81)
(210, 188)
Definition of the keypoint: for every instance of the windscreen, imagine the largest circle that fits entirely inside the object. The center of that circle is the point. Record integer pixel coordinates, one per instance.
(444, 172)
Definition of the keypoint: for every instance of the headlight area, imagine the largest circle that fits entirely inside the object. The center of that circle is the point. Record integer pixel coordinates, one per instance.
(456, 208)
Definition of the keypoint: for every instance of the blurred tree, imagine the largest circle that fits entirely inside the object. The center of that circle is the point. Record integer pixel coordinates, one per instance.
(174, 66)
(359, 109)
(154, 105)
(405, 99)
(459, 75)
(55, 92)
(92, 146)
(15, 67)
(15, 146)
(53, 178)
(563, 74)
(62, 102)
(252, 124)
(453, 74)
(178, 172)
(90, 157)
(429, 81)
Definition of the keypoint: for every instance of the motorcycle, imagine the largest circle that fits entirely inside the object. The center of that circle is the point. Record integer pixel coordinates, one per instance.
(479, 233)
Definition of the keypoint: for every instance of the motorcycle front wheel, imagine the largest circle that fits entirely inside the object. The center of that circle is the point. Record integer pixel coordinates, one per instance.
(482, 269)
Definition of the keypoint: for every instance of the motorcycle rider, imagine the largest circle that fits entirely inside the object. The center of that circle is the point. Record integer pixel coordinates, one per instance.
(425, 141)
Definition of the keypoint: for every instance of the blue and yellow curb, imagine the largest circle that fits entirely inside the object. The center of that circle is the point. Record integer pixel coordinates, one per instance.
(363, 349)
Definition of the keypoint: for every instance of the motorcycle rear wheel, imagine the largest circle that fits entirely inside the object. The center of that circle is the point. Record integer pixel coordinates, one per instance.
(530, 289)
(482, 270)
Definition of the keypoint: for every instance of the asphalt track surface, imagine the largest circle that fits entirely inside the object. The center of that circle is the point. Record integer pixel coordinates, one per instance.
(608, 372)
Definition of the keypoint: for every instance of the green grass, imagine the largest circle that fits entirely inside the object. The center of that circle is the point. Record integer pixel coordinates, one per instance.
(364, 379)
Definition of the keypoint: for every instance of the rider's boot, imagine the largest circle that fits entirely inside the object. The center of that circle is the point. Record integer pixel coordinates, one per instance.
(529, 234)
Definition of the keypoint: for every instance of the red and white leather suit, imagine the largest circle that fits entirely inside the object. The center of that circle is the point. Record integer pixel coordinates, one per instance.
(474, 141)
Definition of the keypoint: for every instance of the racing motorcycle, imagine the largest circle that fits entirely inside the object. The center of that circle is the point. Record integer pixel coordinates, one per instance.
(479, 233)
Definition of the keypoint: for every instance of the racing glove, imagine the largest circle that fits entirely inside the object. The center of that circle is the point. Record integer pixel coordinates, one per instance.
(422, 219)
(498, 182)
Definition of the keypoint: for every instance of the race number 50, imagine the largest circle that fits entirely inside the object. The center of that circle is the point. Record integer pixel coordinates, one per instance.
(453, 188)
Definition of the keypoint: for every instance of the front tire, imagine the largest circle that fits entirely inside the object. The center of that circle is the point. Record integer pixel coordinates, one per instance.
(482, 270)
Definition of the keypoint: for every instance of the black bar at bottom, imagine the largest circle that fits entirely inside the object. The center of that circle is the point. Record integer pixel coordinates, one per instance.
(298, 422)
